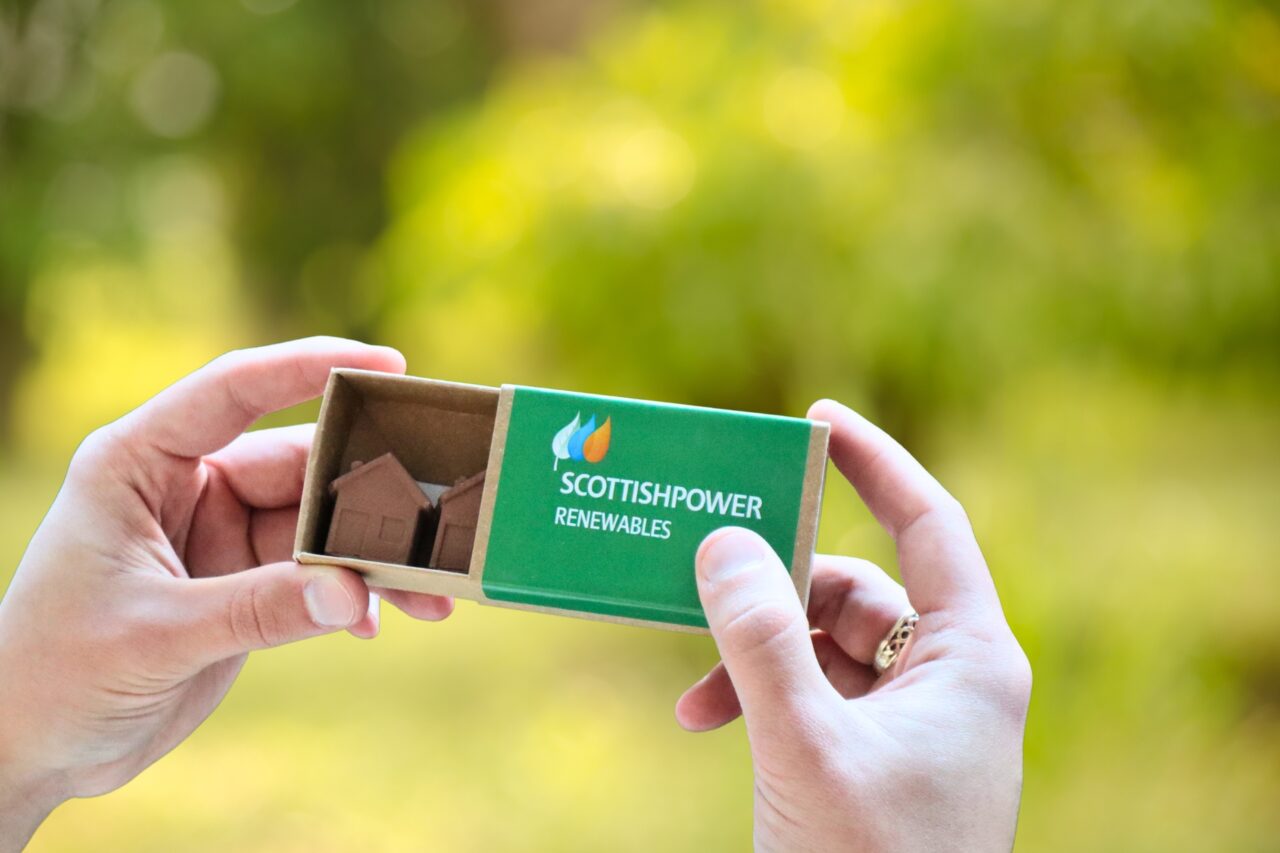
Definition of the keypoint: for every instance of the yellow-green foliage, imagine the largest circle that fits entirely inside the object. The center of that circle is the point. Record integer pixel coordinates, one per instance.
(1040, 242)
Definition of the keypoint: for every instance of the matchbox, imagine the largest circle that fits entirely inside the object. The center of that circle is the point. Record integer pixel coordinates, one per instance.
(576, 504)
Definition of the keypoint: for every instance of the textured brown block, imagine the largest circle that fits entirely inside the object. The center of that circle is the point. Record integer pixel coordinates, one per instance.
(459, 515)
(377, 513)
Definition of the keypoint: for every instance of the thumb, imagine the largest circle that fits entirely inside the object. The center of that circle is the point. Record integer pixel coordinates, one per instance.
(760, 627)
(268, 606)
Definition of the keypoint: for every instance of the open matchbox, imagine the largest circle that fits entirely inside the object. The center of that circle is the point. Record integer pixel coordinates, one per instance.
(576, 504)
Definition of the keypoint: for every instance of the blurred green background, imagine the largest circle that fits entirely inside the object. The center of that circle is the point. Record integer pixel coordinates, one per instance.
(1039, 242)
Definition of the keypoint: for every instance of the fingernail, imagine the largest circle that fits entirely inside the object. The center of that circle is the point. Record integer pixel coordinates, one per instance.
(328, 602)
(729, 549)
(393, 352)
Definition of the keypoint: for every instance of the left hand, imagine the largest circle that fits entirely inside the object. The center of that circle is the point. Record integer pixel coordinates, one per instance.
(164, 560)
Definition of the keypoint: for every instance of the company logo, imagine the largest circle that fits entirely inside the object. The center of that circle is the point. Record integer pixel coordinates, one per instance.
(581, 442)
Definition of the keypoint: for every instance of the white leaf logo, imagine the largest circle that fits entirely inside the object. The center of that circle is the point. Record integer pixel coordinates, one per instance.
(560, 444)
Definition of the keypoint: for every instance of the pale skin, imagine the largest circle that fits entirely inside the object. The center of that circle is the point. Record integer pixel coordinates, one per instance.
(164, 561)
(927, 756)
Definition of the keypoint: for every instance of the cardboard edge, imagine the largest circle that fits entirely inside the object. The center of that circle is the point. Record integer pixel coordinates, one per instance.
(597, 617)
(815, 473)
(497, 452)
(468, 585)
(376, 378)
(493, 473)
(390, 575)
(310, 490)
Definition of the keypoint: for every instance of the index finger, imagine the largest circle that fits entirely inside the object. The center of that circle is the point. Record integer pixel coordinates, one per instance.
(941, 564)
(205, 411)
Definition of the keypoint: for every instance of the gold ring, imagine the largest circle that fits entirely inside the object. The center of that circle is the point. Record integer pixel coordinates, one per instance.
(895, 641)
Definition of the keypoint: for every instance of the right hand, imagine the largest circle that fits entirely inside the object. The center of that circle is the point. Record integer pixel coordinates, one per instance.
(927, 756)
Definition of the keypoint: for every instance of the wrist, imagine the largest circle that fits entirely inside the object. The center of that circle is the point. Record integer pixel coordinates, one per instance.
(26, 799)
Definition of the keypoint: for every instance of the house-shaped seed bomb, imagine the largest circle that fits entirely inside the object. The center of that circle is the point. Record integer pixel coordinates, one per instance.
(456, 533)
(378, 511)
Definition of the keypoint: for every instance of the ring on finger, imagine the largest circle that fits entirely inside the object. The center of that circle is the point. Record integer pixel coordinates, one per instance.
(895, 641)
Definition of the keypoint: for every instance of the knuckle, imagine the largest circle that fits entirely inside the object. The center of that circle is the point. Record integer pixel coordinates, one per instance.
(830, 607)
(227, 372)
(138, 628)
(757, 625)
(99, 454)
(1011, 683)
(886, 610)
(1018, 678)
(226, 364)
(251, 621)
(232, 357)
(953, 514)
(997, 669)
(95, 448)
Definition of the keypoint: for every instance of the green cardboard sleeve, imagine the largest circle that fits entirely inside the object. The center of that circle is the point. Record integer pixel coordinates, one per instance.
(593, 506)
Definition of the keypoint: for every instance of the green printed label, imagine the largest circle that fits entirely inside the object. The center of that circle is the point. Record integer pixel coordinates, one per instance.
(602, 501)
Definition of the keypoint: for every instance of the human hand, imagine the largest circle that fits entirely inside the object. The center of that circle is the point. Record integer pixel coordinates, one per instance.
(163, 561)
(927, 756)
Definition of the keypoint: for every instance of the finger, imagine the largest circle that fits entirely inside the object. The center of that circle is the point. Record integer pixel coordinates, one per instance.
(204, 411)
(712, 702)
(219, 539)
(265, 468)
(760, 628)
(226, 537)
(256, 481)
(430, 608)
(269, 606)
(940, 561)
(854, 602)
(367, 627)
(272, 533)
(850, 678)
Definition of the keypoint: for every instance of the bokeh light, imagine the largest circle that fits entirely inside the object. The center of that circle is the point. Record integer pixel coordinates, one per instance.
(1040, 243)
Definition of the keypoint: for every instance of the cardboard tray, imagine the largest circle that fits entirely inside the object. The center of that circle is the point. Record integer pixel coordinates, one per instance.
(611, 563)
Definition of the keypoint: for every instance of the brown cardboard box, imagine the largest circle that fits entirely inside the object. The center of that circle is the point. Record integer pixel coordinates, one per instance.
(445, 433)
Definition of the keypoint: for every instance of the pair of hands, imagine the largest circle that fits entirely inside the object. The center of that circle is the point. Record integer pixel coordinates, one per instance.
(165, 560)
